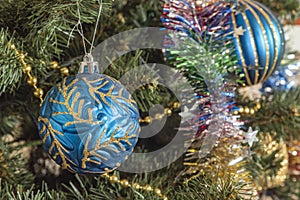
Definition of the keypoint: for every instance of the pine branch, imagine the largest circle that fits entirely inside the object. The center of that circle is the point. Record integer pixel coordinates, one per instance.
(52, 22)
(14, 167)
(10, 70)
(127, 69)
(125, 15)
(287, 9)
(45, 26)
(89, 187)
(278, 114)
(11, 73)
(269, 164)
(12, 192)
(208, 188)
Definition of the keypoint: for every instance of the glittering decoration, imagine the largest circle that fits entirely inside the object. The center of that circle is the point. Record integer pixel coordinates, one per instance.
(188, 114)
(271, 177)
(197, 19)
(199, 45)
(259, 40)
(197, 31)
(220, 146)
(89, 123)
(227, 158)
(256, 34)
(250, 136)
(294, 158)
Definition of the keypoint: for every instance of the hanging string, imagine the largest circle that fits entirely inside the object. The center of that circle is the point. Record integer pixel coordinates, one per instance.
(80, 25)
(80, 28)
(80, 33)
(97, 22)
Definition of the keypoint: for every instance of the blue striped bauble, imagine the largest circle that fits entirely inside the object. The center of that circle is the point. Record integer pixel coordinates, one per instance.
(259, 40)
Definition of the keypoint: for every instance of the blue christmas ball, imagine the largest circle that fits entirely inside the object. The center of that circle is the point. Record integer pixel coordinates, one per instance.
(259, 40)
(89, 123)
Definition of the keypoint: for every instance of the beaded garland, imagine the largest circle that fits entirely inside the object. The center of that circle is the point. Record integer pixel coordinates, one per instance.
(136, 186)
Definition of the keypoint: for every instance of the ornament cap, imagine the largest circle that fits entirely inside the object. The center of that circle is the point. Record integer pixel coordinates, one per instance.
(88, 65)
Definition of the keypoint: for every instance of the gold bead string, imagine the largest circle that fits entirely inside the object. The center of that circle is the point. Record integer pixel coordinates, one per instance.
(126, 184)
(63, 70)
(167, 112)
(32, 80)
(248, 110)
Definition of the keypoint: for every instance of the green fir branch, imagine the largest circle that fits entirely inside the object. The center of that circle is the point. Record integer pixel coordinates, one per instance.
(203, 61)
(44, 27)
(52, 22)
(288, 10)
(14, 167)
(145, 95)
(10, 70)
(279, 114)
(208, 188)
(18, 192)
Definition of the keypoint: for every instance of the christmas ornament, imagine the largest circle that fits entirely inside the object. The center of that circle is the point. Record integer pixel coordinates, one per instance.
(294, 158)
(89, 123)
(252, 29)
(259, 40)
